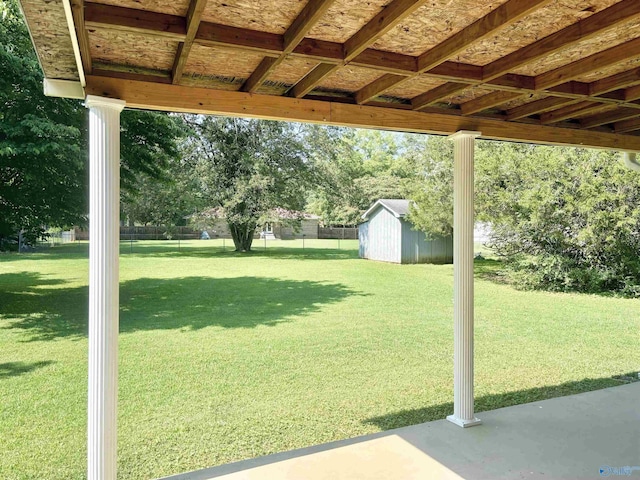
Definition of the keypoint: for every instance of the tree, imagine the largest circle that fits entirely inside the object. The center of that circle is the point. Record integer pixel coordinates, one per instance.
(40, 158)
(432, 192)
(43, 142)
(248, 168)
(562, 218)
(357, 167)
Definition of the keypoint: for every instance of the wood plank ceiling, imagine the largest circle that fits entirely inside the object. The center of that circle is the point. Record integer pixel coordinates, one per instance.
(570, 64)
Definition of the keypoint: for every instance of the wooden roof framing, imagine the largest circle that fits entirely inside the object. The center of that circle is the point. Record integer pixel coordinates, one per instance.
(554, 69)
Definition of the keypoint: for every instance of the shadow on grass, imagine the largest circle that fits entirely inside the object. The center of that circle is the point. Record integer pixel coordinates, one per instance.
(14, 369)
(163, 304)
(405, 418)
(489, 269)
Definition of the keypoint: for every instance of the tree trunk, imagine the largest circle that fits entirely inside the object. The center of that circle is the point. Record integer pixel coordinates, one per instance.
(242, 234)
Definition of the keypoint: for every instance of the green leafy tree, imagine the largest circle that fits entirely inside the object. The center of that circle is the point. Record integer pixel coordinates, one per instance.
(41, 175)
(564, 218)
(432, 192)
(247, 168)
(357, 167)
(43, 142)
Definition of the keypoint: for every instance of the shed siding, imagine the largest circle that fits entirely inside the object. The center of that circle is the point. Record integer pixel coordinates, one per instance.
(381, 235)
(363, 240)
(417, 249)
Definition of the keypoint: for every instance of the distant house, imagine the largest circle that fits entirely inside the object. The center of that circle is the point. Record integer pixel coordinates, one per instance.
(387, 235)
(285, 224)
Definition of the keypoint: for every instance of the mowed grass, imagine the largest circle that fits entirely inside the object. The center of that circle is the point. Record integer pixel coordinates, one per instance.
(226, 356)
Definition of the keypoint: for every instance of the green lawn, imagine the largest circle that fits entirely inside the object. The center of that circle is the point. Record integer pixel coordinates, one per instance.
(226, 356)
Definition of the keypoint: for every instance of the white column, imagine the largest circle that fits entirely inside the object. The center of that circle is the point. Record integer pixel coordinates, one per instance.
(104, 220)
(463, 279)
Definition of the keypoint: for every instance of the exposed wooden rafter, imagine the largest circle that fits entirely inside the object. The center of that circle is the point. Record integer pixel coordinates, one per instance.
(382, 84)
(396, 68)
(310, 80)
(538, 106)
(310, 14)
(571, 111)
(374, 29)
(196, 7)
(260, 74)
(614, 82)
(273, 45)
(435, 95)
(631, 125)
(487, 101)
(384, 21)
(614, 116)
(578, 32)
(632, 93)
(590, 64)
(143, 22)
(501, 17)
(77, 9)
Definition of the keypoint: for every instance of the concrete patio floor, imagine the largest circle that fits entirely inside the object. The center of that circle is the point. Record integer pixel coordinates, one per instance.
(571, 437)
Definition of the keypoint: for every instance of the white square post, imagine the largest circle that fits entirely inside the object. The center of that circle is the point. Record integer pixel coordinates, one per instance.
(104, 222)
(463, 220)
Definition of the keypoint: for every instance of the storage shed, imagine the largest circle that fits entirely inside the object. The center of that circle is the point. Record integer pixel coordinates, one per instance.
(388, 236)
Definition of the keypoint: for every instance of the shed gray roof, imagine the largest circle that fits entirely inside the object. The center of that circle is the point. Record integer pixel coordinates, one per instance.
(399, 207)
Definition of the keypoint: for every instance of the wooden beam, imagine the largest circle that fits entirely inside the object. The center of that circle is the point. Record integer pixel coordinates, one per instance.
(580, 31)
(435, 95)
(172, 27)
(153, 77)
(315, 76)
(457, 72)
(538, 106)
(503, 16)
(631, 125)
(215, 35)
(77, 9)
(384, 21)
(369, 92)
(571, 111)
(487, 101)
(177, 98)
(632, 93)
(194, 14)
(272, 45)
(590, 64)
(390, 62)
(309, 15)
(615, 82)
(358, 43)
(322, 51)
(614, 116)
(260, 74)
